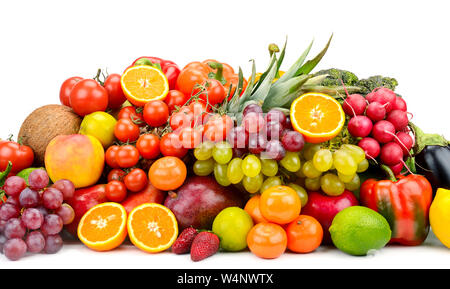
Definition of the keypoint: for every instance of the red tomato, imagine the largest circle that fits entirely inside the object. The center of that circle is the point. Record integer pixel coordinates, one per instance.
(217, 127)
(88, 96)
(126, 130)
(66, 88)
(115, 191)
(131, 113)
(181, 119)
(190, 137)
(175, 98)
(156, 113)
(148, 146)
(110, 156)
(20, 156)
(215, 92)
(116, 97)
(127, 156)
(136, 180)
(116, 175)
(200, 112)
(170, 145)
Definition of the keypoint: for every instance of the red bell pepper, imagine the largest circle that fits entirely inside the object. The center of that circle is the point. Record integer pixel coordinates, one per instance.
(169, 68)
(404, 203)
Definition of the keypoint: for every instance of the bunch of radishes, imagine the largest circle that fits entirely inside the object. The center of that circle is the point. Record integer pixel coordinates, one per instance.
(381, 121)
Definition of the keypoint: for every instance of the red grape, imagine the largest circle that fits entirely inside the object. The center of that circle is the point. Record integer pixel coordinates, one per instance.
(253, 122)
(32, 218)
(292, 141)
(29, 198)
(52, 198)
(8, 211)
(35, 242)
(14, 249)
(14, 185)
(66, 213)
(277, 116)
(252, 108)
(14, 228)
(256, 143)
(38, 179)
(66, 187)
(53, 224)
(53, 243)
(274, 130)
(274, 150)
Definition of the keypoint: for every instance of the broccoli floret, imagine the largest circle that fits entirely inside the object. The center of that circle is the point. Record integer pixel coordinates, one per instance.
(369, 84)
(336, 75)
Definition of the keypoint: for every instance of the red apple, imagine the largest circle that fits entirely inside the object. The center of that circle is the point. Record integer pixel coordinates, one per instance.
(324, 208)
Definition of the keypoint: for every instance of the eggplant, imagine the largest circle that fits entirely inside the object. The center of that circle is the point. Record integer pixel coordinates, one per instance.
(434, 163)
(432, 157)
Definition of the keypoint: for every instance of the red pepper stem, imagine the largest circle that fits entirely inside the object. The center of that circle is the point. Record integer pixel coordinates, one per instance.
(219, 70)
(389, 172)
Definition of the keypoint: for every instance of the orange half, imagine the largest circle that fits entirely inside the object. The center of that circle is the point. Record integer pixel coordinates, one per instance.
(143, 83)
(103, 227)
(319, 117)
(152, 227)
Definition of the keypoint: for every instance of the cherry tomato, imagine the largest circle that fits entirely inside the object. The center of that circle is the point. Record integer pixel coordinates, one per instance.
(156, 113)
(267, 240)
(20, 156)
(126, 130)
(217, 127)
(115, 191)
(175, 98)
(116, 97)
(131, 113)
(66, 88)
(304, 234)
(215, 92)
(136, 180)
(280, 204)
(110, 156)
(167, 173)
(116, 175)
(181, 119)
(88, 96)
(170, 145)
(199, 110)
(190, 137)
(127, 156)
(148, 146)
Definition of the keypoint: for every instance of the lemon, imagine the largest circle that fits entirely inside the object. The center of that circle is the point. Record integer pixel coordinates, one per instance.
(440, 216)
(356, 230)
(100, 125)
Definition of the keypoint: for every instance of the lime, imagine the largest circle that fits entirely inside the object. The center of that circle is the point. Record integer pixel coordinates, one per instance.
(356, 230)
(100, 125)
(232, 225)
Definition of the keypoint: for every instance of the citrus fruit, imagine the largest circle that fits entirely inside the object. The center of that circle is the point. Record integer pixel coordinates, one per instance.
(152, 227)
(440, 216)
(252, 208)
(232, 225)
(304, 234)
(142, 83)
(167, 173)
(356, 230)
(317, 116)
(280, 204)
(267, 240)
(103, 227)
(100, 125)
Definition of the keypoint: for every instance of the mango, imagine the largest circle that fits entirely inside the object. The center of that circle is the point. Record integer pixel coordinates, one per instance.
(78, 158)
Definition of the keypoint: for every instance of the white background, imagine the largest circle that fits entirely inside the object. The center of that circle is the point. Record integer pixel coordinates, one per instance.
(44, 42)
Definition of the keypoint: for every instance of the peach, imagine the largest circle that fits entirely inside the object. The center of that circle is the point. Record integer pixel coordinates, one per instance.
(78, 158)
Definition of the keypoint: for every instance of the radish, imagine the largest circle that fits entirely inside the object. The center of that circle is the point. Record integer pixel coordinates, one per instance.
(376, 111)
(370, 97)
(391, 154)
(383, 131)
(370, 146)
(360, 126)
(397, 169)
(354, 104)
(386, 96)
(405, 141)
(400, 104)
(398, 118)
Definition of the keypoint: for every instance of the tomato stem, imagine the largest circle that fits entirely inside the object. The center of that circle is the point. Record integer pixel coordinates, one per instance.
(218, 75)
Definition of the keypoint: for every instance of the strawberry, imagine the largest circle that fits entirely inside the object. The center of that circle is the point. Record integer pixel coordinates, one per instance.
(204, 245)
(184, 241)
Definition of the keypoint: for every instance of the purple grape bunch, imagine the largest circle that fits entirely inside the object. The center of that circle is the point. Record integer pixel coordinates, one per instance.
(34, 214)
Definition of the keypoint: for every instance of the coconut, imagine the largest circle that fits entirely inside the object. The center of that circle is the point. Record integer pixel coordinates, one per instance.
(45, 123)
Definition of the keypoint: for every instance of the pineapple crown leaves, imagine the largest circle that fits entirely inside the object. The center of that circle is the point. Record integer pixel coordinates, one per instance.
(270, 92)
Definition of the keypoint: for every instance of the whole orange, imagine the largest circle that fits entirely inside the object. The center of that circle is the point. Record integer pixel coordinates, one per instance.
(267, 240)
(252, 208)
(304, 234)
(167, 173)
(280, 204)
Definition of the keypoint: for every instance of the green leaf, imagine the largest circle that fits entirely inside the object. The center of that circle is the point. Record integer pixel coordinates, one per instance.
(310, 64)
(260, 94)
(248, 90)
(293, 70)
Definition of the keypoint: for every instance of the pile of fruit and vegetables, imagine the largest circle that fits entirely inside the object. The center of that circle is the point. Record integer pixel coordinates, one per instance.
(201, 159)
